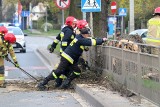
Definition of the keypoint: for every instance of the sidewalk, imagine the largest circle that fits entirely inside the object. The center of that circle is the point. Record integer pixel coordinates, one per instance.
(97, 96)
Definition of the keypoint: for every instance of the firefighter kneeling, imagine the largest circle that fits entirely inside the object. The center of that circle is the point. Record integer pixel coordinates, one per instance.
(6, 39)
(70, 57)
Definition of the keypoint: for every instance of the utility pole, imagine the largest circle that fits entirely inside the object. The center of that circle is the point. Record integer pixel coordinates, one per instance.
(131, 17)
(46, 21)
(0, 10)
(31, 15)
(46, 14)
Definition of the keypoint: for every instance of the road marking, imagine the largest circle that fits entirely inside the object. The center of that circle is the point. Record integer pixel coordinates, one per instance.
(12, 79)
(8, 68)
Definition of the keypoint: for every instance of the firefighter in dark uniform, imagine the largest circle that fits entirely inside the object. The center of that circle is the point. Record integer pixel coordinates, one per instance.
(70, 57)
(80, 24)
(6, 41)
(64, 37)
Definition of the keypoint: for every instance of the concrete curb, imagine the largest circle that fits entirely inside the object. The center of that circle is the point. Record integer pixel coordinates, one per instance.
(93, 101)
(47, 60)
(98, 96)
(51, 58)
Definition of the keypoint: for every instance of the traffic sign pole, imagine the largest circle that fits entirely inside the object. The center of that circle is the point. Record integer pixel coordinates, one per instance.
(91, 23)
(122, 12)
(113, 10)
(62, 17)
(62, 4)
(115, 21)
(122, 26)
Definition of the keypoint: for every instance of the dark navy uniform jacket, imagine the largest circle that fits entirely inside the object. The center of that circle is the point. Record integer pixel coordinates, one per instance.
(76, 47)
(65, 37)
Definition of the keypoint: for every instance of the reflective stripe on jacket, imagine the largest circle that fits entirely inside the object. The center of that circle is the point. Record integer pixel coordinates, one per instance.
(65, 37)
(153, 41)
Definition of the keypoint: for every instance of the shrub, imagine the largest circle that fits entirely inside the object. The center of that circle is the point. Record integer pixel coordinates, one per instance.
(49, 26)
(57, 26)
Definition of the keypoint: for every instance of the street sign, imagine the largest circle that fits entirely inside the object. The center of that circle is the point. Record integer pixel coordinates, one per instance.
(62, 4)
(90, 5)
(122, 12)
(25, 13)
(113, 7)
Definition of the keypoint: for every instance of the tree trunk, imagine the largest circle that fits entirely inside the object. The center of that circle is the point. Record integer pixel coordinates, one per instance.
(74, 10)
(100, 20)
(0, 10)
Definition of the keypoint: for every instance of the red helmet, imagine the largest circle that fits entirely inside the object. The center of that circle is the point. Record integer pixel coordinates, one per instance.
(157, 10)
(82, 24)
(9, 37)
(70, 20)
(3, 30)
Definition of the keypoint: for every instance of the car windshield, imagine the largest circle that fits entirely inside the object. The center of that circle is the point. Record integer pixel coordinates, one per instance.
(1, 24)
(140, 32)
(144, 34)
(15, 31)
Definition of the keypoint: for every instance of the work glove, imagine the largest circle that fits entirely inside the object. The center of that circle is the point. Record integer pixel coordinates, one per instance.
(6, 57)
(86, 48)
(51, 49)
(16, 64)
(104, 39)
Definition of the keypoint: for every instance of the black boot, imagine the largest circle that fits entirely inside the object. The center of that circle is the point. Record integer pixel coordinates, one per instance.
(3, 85)
(66, 83)
(58, 82)
(41, 86)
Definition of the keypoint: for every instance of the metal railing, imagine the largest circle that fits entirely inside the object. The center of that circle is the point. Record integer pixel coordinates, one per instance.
(138, 71)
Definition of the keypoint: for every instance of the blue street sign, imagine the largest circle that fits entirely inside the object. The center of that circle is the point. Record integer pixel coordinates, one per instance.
(122, 12)
(90, 5)
(25, 13)
(111, 21)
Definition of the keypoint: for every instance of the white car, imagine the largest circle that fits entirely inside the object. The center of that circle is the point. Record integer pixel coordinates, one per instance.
(6, 24)
(141, 32)
(20, 40)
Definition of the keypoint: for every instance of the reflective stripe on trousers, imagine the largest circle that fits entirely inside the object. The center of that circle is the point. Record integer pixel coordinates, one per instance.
(2, 80)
